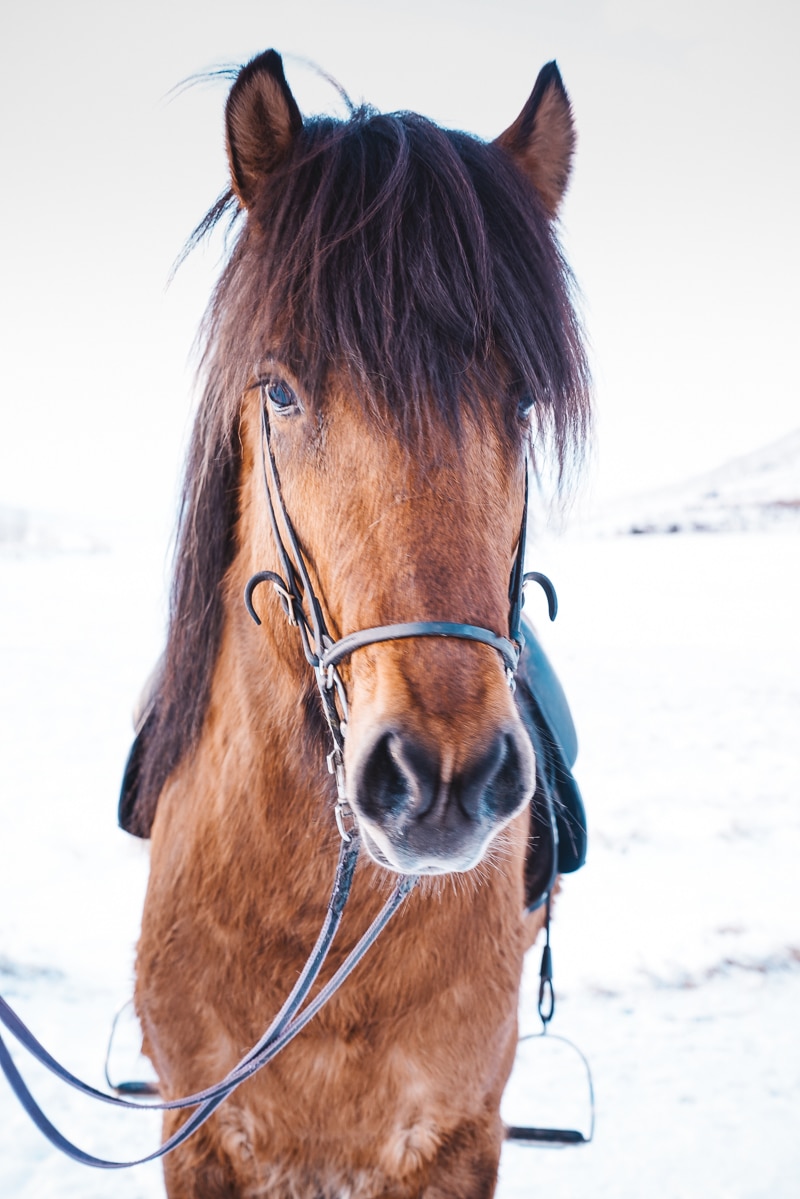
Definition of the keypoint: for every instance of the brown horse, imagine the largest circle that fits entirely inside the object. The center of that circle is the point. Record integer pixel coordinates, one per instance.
(396, 313)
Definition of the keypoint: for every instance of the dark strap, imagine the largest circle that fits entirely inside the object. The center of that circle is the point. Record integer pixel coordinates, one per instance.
(553, 1136)
(297, 575)
(422, 628)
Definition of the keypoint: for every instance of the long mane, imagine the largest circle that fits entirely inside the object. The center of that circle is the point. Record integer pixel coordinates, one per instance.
(416, 262)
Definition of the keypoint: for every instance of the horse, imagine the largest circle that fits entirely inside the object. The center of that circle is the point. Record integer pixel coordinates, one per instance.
(394, 336)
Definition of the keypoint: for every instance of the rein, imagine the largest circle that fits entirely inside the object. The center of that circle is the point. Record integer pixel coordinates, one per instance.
(323, 654)
(289, 1021)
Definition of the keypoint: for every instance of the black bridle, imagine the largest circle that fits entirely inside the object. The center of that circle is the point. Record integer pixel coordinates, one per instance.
(324, 654)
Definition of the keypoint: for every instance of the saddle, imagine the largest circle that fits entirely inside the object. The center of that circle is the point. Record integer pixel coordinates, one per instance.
(557, 842)
(557, 839)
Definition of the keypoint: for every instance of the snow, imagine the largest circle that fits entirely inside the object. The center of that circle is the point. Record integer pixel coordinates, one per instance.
(676, 949)
(22, 531)
(759, 490)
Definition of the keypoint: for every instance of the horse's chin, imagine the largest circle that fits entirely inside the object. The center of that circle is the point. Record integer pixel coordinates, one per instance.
(430, 860)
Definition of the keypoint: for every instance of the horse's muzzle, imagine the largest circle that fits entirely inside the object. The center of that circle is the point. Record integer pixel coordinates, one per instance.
(417, 816)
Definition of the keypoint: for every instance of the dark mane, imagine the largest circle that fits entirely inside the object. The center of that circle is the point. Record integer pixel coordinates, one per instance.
(416, 262)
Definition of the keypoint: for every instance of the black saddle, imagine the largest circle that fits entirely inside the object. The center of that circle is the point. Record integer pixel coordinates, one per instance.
(558, 824)
(557, 842)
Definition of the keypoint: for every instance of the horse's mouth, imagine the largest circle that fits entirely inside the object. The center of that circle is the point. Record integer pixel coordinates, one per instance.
(405, 858)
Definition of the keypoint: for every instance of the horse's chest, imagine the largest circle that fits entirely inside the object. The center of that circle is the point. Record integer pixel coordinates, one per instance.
(358, 1115)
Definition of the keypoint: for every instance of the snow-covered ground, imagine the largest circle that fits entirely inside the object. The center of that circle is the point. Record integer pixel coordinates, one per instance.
(676, 949)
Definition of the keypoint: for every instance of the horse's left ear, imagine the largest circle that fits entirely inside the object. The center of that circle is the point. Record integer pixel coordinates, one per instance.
(542, 139)
(261, 122)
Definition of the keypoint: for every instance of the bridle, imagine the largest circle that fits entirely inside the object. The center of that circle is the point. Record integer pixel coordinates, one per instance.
(324, 654)
(303, 609)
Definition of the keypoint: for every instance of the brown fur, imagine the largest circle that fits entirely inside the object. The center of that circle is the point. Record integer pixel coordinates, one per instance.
(394, 1089)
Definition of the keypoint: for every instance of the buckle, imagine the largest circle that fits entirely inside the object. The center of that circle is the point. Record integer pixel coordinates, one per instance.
(288, 600)
(343, 812)
(336, 768)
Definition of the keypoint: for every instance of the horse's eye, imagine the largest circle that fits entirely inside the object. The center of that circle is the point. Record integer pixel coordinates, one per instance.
(280, 395)
(525, 405)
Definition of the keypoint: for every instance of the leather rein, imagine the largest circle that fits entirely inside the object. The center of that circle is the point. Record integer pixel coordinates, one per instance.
(324, 654)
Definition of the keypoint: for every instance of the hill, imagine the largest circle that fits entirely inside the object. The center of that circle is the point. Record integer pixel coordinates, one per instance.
(756, 492)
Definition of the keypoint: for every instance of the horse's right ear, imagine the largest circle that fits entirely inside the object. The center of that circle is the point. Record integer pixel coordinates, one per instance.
(261, 122)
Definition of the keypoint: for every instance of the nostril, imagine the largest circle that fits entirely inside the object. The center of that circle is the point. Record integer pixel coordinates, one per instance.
(497, 783)
(395, 775)
(381, 786)
(473, 787)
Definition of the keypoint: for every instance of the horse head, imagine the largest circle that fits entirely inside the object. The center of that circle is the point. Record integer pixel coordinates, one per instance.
(399, 416)
(396, 317)
(435, 756)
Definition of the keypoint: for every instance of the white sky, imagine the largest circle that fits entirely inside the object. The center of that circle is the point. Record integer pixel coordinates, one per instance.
(680, 224)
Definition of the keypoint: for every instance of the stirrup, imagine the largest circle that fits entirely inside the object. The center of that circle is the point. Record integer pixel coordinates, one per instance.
(554, 1136)
(133, 1087)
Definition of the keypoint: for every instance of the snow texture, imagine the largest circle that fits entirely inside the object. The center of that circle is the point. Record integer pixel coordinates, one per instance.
(676, 949)
(23, 532)
(760, 490)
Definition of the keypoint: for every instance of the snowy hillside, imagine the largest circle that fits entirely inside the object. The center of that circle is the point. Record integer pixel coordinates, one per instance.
(758, 491)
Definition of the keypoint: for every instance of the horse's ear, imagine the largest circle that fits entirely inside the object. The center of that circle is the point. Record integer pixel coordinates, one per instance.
(542, 139)
(261, 122)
